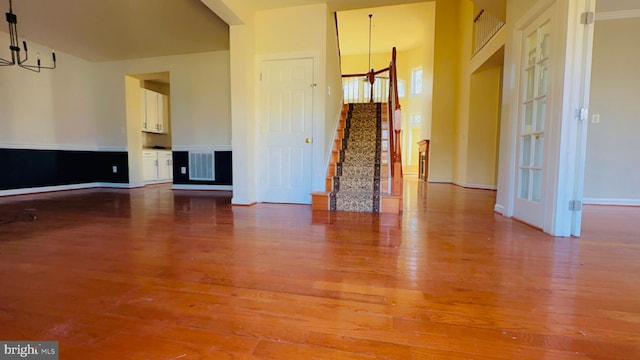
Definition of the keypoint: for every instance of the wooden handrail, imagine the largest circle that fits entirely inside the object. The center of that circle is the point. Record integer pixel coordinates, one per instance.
(394, 104)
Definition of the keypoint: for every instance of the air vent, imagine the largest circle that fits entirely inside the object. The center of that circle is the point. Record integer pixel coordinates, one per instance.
(201, 166)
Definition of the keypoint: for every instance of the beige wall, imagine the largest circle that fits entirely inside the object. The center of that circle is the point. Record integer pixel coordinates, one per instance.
(484, 115)
(612, 174)
(54, 109)
(445, 87)
(463, 92)
(200, 98)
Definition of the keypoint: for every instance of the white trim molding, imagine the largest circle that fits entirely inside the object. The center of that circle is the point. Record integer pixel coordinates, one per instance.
(613, 202)
(42, 189)
(202, 187)
(19, 146)
(113, 148)
(476, 186)
(201, 148)
(440, 181)
(499, 209)
(616, 15)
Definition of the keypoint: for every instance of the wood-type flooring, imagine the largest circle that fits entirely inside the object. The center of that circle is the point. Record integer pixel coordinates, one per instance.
(152, 273)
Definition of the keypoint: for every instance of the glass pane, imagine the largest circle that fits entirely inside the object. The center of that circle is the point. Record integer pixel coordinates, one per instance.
(528, 118)
(524, 184)
(536, 187)
(532, 44)
(526, 151)
(531, 81)
(543, 70)
(538, 151)
(541, 113)
(544, 40)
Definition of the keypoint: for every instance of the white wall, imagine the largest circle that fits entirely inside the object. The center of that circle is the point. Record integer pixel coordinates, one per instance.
(54, 109)
(612, 175)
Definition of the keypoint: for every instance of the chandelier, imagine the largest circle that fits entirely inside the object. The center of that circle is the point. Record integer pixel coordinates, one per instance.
(16, 57)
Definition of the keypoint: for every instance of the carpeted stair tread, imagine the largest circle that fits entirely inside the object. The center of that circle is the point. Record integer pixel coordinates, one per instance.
(356, 186)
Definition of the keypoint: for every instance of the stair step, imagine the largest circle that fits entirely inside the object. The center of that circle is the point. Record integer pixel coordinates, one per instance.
(389, 204)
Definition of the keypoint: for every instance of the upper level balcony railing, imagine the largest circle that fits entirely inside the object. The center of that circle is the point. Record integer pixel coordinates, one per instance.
(485, 26)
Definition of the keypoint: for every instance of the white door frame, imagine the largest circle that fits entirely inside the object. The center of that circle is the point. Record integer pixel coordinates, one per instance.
(565, 156)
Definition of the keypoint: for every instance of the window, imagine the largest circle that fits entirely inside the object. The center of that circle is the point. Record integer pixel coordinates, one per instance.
(415, 120)
(416, 81)
(401, 88)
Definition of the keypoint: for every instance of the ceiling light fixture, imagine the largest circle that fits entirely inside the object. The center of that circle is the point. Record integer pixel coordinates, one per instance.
(16, 59)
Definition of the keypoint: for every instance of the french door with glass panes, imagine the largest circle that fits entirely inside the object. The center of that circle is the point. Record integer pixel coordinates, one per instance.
(529, 203)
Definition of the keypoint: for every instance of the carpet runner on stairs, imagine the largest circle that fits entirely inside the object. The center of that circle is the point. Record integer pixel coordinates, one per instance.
(356, 185)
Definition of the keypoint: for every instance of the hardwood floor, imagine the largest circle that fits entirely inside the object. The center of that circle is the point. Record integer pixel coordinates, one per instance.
(158, 274)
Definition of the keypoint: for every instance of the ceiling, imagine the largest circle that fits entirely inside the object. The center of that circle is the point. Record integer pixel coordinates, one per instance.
(108, 30)
(386, 30)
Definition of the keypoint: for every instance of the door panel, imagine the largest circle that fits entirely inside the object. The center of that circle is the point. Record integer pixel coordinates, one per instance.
(533, 123)
(286, 124)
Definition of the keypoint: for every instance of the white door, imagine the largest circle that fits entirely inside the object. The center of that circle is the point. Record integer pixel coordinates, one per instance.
(533, 122)
(286, 130)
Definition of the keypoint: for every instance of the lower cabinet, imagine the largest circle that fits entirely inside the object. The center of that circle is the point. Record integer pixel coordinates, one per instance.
(157, 165)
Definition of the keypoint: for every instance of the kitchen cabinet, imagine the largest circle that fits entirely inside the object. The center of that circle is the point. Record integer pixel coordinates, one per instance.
(157, 165)
(165, 165)
(155, 112)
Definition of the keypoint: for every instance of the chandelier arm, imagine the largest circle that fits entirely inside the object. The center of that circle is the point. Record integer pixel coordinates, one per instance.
(26, 54)
(14, 47)
(4, 62)
(33, 68)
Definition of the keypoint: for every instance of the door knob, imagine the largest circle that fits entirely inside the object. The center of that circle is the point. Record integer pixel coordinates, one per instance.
(307, 140)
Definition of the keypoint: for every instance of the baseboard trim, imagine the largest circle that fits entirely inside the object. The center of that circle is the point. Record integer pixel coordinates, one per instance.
(615, 202)
(202, 187)
(499, 209)
(44, 189)
(476, 186)
(440, 181)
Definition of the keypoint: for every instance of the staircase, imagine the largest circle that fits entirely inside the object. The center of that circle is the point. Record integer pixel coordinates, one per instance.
(356, 183)
(358, 177)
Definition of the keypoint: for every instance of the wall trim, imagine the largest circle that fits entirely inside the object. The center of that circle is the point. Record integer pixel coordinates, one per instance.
(440, 181)
(202, 187)
(62, 147)
(476, 186)
(113, 148)
(615, 202)
(201, 148)
(499, 209)
(615, 15)
(43, 189)
(20, 146)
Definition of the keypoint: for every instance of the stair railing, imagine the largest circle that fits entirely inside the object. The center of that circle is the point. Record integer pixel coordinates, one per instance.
(395, 121)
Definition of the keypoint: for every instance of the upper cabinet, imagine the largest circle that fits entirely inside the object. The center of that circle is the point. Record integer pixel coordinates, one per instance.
(155, 112)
